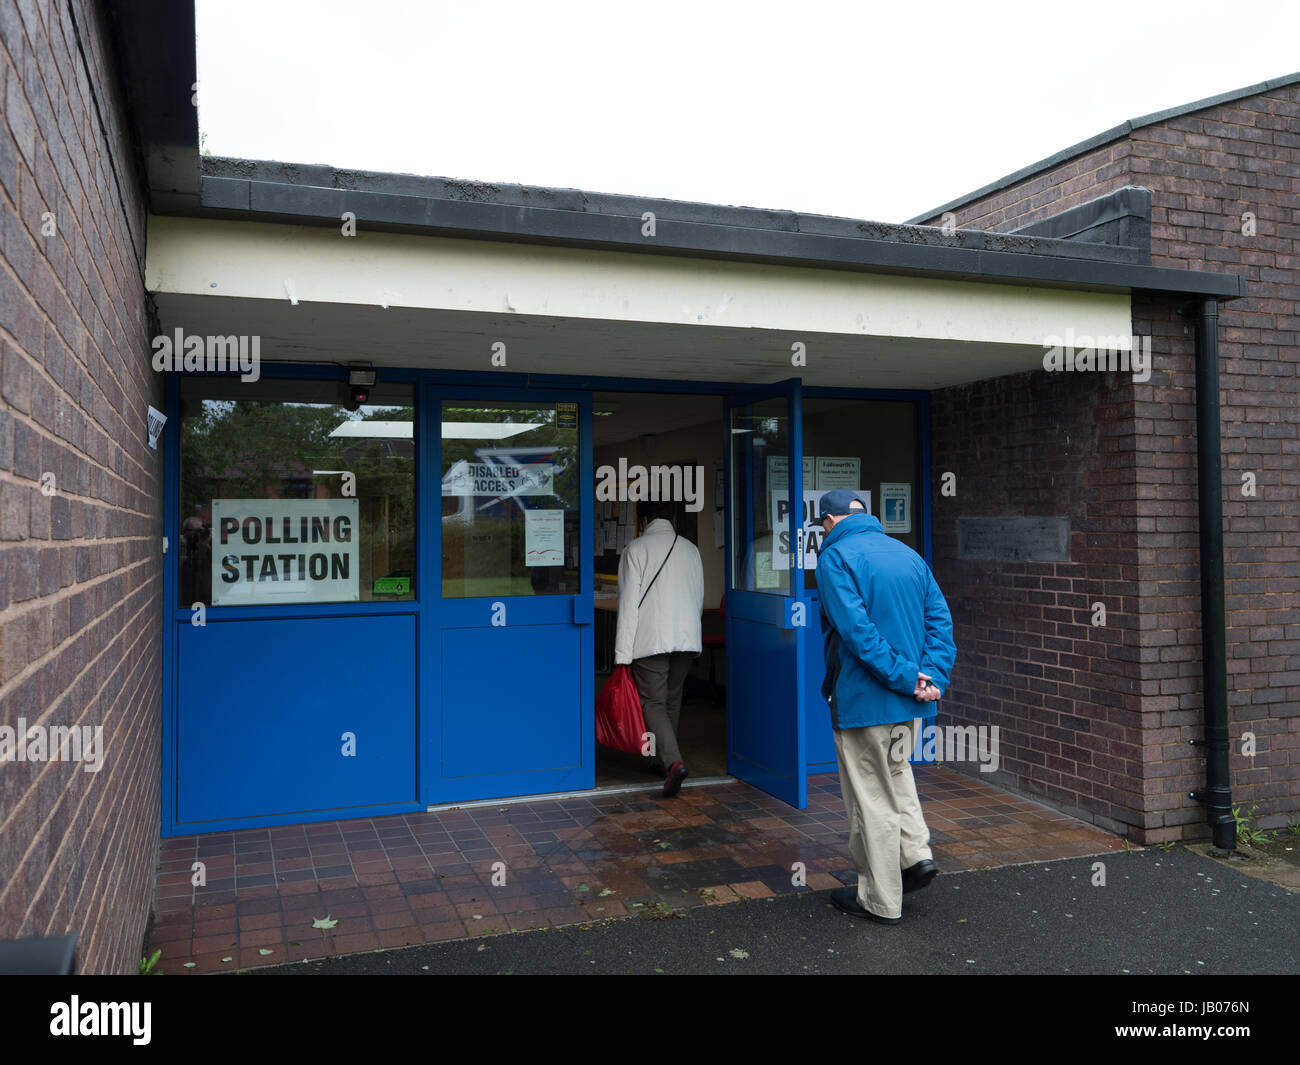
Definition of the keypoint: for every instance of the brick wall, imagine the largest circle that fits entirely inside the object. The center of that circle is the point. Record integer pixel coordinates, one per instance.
(80, 569)
(1205, 170)
(1062, 691)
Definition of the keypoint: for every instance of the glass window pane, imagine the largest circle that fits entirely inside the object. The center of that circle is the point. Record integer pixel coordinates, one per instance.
(289, 497)
(510, 499)
(760, 497)
(868, 446)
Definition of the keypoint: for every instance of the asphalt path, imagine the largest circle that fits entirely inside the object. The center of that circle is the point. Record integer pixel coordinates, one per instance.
(1157, 912)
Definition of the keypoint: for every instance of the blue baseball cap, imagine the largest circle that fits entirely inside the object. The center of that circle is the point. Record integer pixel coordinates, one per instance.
(838, 501)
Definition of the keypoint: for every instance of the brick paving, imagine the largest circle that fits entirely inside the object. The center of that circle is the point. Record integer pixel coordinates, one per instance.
(485, 870)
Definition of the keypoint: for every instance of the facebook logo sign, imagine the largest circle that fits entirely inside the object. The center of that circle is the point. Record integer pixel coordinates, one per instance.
(896, 507)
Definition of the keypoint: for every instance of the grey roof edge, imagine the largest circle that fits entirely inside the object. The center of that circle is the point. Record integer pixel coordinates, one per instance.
(396, 194)
(576, 219)
(1098, 140)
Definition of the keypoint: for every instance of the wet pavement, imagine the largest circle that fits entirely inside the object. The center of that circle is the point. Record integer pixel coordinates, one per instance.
(348, 887)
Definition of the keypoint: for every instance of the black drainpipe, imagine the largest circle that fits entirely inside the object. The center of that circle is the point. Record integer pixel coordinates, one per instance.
(1217, 793)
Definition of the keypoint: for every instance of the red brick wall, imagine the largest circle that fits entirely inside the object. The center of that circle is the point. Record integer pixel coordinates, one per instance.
(1074, 182)
(80, 570)
(1063, 692)
(1204, 171)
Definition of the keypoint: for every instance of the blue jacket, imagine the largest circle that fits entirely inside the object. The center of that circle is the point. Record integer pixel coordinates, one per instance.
(883, 621)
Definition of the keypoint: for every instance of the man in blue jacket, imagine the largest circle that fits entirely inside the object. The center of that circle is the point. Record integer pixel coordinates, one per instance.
(889, 652)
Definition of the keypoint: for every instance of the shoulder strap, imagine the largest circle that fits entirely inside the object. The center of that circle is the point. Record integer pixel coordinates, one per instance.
(657, 572)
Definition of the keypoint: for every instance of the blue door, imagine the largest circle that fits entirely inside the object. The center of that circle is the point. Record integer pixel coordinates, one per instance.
(769, 620)
(506, 652)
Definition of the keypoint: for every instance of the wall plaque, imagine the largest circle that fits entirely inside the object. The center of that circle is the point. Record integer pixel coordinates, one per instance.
(1014, 539)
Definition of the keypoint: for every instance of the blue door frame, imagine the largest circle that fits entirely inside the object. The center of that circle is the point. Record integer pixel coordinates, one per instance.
(406, 771)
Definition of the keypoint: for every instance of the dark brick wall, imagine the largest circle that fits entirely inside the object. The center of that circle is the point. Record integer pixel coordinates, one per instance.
(80, 570)
(1205, 171)
(1063, 691)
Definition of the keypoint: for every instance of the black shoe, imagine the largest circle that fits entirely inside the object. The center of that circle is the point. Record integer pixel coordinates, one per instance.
(673, 782)
(917, 876)
(846, 900)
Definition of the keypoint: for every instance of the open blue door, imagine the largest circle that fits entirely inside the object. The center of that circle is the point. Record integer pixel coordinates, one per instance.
(767, 615)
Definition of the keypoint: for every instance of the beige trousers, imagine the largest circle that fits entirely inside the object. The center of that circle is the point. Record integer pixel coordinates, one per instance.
(887, 833)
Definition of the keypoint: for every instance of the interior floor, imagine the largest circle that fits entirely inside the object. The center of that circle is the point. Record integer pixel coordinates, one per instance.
(701, 735)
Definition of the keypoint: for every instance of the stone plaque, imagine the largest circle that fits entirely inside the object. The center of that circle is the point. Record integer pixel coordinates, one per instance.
(1014, 539)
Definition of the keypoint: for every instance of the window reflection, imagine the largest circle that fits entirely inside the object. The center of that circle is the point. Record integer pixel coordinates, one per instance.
(510, 499)
(268, 467)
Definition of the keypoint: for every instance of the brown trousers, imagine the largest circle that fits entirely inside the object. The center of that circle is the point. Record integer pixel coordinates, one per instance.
(659, 680)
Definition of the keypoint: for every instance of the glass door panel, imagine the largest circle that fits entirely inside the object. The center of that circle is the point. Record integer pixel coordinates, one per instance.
(766, 619)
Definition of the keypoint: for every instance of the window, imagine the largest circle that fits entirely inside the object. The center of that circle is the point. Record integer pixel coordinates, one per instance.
(510, 499)
(868, 446)
(288, 497)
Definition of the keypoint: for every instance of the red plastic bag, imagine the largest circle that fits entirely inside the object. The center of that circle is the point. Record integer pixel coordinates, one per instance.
(619, 723)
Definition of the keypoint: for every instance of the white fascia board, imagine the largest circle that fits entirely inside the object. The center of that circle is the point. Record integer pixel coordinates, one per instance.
(200, 256)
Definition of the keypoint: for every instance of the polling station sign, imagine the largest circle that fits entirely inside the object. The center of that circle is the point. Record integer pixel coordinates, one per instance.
(285, 551)
(811, 524)
(503, 479)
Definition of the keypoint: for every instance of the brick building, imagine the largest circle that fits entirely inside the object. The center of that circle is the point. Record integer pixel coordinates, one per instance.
(924, 358)
(1105, 726)
(80, 572)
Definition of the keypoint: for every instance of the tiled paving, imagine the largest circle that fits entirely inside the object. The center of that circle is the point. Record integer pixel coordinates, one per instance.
(422, 878)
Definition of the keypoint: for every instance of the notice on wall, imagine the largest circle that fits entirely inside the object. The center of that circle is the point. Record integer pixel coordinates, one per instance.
(499, 479)
(811, 525)
(837, 473)
(896, 506)
(543, 538)
(285, 551)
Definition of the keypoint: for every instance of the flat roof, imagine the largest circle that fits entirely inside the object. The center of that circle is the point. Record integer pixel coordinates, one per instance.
(270, 191)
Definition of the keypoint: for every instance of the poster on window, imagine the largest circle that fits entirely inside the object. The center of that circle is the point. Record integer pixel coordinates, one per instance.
(896, 506)
(778, 471)
(503, 479)
(837, 473)
(811, 524)
(543, 538)
(285, 551)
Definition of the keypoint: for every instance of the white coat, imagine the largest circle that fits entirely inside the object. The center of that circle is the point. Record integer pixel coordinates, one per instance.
(670, 618)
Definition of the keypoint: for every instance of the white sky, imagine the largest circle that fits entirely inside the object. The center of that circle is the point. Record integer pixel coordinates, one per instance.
(863, 109)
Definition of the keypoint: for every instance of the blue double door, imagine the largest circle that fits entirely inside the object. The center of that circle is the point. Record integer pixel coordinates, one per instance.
(506, 652)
